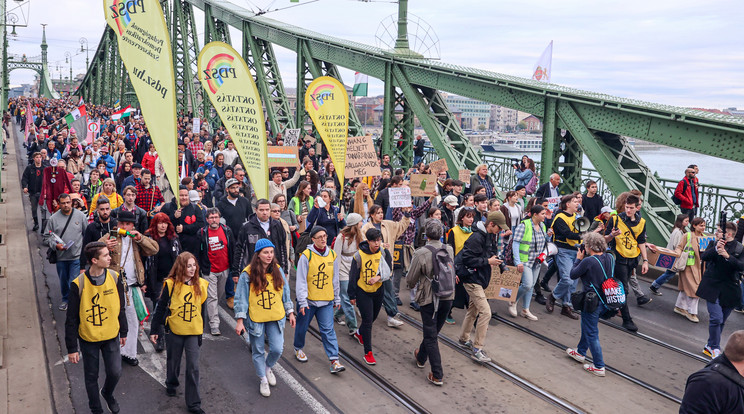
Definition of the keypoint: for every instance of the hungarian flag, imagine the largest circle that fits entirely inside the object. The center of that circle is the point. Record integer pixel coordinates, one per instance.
(77, 119)
(81, 103)
(360, 84)
(122, 114)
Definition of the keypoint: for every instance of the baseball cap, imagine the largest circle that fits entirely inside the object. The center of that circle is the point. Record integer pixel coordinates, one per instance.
(497, 218)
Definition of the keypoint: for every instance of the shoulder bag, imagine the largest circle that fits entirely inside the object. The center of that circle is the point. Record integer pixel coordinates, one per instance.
(51, 253)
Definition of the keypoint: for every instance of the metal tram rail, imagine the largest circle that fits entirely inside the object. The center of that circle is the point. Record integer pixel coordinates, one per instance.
(386, 386)
(658, 342)
(615, 371)
(517, 380)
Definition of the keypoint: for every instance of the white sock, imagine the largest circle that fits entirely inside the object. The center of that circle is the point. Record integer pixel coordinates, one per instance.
(264, 380)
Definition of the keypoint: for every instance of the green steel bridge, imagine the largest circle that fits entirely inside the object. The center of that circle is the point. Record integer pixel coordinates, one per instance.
(575, 122)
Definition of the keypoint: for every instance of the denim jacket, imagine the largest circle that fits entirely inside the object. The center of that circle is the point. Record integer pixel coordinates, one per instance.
(242, 290)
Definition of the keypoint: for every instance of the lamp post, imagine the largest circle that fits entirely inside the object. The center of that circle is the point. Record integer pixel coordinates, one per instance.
(84, 48)
(68, 59)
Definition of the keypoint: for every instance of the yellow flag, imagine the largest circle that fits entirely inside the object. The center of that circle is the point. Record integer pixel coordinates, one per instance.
(230, 86)
(145, 48)
(327, 104)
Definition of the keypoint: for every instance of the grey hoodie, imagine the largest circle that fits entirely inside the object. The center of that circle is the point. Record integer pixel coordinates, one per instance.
(74, 232)
(301, 283)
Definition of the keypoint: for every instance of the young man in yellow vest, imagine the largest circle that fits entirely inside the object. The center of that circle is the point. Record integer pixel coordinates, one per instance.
(317, 290)
(626, 234)
(96, 320)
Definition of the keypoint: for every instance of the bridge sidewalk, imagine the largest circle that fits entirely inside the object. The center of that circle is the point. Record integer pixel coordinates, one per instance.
(24, 380)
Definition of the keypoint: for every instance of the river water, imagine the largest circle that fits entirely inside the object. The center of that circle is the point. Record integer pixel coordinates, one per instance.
(670, 163)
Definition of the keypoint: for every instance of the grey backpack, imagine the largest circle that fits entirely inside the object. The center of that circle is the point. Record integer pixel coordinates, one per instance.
(443, 278)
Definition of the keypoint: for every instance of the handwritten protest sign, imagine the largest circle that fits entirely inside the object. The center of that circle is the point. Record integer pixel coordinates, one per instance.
(553, 203)
(438, 166)
(283, 156)
(504, 286)
(423, 185)
(361, 158)
(464, 176)
(291, 135)
(196, 127)
(400, 197)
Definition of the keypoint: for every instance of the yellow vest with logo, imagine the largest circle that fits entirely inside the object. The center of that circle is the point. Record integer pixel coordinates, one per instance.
(460, 238)
(185, 312)
(320, 276)
(266, 305)
(571, 221)
(626, 243)
(99, 308)
(369, 269)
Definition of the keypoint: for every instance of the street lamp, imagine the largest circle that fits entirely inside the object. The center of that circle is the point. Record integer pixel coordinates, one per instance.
(68, 59)
(84, 48)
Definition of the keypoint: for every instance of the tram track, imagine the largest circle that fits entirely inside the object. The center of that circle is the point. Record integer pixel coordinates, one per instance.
(514, 378)
(658, 342)
(378, 380)
(621, 374)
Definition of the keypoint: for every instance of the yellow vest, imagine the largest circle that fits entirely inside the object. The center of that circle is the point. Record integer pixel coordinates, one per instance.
(460, 238)
(570, 220)
(99, 308)
(626, 243)
(369, 269)
(267, 305)
(185, 315)
(320, 276)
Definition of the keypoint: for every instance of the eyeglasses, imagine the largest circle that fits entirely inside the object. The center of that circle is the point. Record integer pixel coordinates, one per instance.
(320, 237)
(275, 211)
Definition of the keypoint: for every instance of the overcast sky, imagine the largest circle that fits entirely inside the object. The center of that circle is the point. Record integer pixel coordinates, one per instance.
(681, 52)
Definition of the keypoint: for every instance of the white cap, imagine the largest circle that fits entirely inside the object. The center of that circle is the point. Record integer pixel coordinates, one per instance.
(451, 200)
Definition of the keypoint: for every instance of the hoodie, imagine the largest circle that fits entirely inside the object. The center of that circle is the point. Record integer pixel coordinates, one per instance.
(385, 269)
(301, 282)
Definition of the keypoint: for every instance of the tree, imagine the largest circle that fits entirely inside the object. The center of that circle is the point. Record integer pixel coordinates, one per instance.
(481, 127)
(521, 125)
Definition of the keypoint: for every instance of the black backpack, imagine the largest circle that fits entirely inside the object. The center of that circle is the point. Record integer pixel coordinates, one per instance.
(676, 200)
(443, 277)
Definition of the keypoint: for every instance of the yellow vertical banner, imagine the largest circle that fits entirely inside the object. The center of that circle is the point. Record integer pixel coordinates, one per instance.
(233, 93)
(327, 104)
(145, 48)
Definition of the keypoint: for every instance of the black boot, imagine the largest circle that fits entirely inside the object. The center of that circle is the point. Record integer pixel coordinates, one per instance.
(36, 225)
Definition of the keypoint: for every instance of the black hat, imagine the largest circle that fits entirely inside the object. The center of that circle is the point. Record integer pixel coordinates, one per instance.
(126, 217)
(137, 165)
(316, 230)
(519, 187)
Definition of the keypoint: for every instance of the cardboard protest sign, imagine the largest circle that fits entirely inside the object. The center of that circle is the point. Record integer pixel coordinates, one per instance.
(283, 156)
(662, 257)
(504, 286)
(361, 158)
(423, 185)
(291, 135)
(464, 176)
(400, 197)
(438, 166)
(704, 241)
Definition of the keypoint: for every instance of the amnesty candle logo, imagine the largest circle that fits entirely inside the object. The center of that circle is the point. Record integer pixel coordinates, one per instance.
(218, 68)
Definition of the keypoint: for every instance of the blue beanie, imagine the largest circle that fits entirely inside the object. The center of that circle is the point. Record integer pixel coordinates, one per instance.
(262, 244)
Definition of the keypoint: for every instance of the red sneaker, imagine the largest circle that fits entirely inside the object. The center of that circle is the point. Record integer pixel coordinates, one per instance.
(359, 338)
(369, 359)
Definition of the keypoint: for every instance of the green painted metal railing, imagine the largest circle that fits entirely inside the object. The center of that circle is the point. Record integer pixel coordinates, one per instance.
(713, 198)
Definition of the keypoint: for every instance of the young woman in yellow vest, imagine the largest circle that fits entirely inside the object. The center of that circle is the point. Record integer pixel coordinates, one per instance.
(371, 266)
(567, 238)
(262, 302)
(456, 238)
(317, 290)
(97, 322)
(181, 308)
(529, 246)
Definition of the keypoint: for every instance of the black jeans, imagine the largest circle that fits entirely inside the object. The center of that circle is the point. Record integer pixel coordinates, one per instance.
(369, 305)
(92, 352)
(429, 348)
(176, 345)
(623, 269)
(691, 212)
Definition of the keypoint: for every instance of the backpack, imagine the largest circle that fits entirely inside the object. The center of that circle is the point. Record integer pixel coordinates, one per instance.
(532, 185)
(612, 292)
(676, 200)
(443, 277)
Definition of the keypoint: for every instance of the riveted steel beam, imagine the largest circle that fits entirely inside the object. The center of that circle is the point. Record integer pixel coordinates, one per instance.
(185, 46)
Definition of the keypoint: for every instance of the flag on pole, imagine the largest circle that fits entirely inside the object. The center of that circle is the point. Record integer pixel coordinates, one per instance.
(29, 120)
(77, 119)
(541, 71)
(122, 114)
(81, 103)
(360, 84)
(116, 104)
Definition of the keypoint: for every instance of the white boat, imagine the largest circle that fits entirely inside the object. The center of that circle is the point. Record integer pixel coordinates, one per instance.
(513, 143)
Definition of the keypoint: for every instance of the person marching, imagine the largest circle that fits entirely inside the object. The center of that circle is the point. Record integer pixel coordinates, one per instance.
(261, 283)
(96, 320)
(181, 308)
(317, 296)
(371, 266)
(456, 237)
(529, 243)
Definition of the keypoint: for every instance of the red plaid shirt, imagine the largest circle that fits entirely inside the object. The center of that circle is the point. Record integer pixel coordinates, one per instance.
(148, 198)
(194, 147)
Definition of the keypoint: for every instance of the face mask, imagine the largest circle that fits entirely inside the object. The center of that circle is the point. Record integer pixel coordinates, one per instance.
(208, 164)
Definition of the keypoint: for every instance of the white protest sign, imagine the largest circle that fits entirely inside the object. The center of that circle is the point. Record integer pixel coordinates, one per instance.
(553, 203)
(400, 197)
(196, 125)
(291, 136)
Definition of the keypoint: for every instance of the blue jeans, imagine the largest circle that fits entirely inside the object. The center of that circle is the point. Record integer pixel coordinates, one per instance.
(663, 279)
(67, 270)
(276, 344)
(324, 315)
(417, 159)
(389, 299)
(347, 309)
(529, 275)
(590, 335)
(229, 287)
(718, 316)
(565, 287)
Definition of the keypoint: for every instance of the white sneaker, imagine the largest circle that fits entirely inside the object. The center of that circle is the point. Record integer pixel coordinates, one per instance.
(575, 355)
(513, 309)
(600, 372)
(264, 388)
(394, 323)
(300, 355)
(527, 314)
(270, 377)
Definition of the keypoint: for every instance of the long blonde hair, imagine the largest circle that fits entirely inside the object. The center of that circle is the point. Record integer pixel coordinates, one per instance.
(359, 200)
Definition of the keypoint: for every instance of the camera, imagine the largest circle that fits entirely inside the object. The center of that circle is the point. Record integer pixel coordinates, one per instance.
(516, 163)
